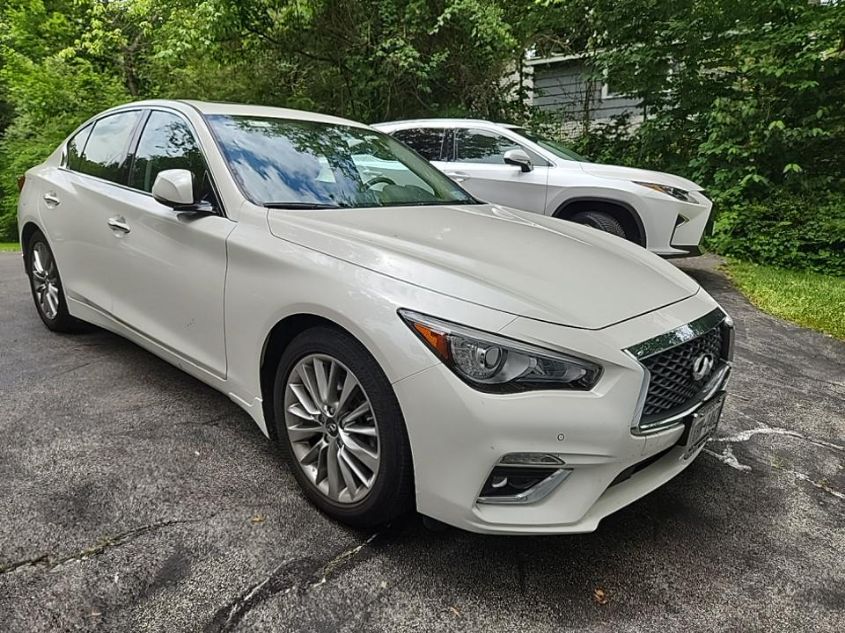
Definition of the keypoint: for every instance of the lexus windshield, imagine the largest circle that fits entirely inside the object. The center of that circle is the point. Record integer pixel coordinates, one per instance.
(288, 163)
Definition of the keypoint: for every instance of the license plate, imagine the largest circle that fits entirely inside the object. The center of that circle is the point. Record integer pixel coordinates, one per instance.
(703, 424)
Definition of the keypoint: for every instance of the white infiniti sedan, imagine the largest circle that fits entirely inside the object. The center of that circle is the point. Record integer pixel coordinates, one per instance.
(406, 345)
(506, 164)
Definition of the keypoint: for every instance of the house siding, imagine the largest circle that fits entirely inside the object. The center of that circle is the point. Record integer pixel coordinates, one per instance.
(562, 88)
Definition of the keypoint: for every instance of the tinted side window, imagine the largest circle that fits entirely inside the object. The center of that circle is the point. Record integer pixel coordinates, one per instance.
(75, 147)
(167, 143)
(428, 142)
(105, 152)
(484, 146)
(481, 146)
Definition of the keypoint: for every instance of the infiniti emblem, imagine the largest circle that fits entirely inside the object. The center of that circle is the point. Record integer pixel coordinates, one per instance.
(702, 365)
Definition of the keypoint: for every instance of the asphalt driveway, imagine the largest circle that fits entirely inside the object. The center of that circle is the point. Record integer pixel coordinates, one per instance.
(134, 498)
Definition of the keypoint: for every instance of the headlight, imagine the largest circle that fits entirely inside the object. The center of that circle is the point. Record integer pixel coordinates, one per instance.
(678, 194)
(493, 363)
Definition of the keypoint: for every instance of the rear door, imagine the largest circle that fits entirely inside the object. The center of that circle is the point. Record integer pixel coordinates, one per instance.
(78, 201)
(172, 265)
(478, 164)
(431, 143)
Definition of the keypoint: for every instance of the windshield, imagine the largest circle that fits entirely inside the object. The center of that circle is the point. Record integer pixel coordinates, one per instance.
(308, 164)
(555, 147)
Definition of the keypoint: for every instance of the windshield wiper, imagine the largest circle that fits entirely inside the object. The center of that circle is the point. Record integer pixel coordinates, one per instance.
(301, 205)
(431, 203)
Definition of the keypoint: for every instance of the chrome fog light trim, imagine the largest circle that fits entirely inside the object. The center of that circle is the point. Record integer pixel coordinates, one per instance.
(532, 459)
(537, 492)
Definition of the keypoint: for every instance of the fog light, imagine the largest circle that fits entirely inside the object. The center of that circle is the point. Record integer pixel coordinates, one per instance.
(498, 482)
(520, 485)
(532, 459)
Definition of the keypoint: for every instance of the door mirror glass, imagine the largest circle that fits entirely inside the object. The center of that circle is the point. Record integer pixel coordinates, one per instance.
(175, 188)
(519, 158)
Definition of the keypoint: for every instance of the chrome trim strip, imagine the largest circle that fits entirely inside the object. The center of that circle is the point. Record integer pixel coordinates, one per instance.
(533, 494)
(715, 385)
(638, 412)
(667, 341)
(678, 336)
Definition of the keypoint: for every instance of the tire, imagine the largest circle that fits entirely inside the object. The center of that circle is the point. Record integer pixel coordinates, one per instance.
(45, 283)
(313, 447)
(601, 221)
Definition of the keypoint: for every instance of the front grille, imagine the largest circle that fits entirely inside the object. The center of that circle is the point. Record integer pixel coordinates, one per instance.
(672, 384)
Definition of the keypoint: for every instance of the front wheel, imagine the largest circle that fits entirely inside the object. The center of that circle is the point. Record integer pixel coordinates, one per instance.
(339, 425)
(46, 285)
(601, 221)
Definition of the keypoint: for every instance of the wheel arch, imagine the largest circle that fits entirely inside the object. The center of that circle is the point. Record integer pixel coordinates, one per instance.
(622, 211)
(275, 343)
(27, 231)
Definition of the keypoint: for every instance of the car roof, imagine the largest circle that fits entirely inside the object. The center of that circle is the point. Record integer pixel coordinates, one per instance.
(241, 109)
(406, 123)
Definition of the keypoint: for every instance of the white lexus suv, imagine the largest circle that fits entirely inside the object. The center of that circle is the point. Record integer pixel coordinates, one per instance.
(406, 345)
(506, 164)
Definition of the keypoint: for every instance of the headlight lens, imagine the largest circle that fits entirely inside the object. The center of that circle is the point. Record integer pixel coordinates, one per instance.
(497, 364)
(675, 192)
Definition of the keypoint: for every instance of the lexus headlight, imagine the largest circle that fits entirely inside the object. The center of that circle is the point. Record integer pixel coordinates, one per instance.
(675, 192)
(493, 363)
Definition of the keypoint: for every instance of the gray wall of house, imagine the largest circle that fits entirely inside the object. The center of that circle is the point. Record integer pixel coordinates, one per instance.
(561, 87)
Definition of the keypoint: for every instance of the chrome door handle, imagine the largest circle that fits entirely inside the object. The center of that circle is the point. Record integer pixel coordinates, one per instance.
(119, 224)
(457, 176)
(51, 199)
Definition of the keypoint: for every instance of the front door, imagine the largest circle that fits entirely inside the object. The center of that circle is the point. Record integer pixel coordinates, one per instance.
(479, 166)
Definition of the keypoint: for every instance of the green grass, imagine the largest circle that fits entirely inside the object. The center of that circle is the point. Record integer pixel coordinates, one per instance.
(809, 299)
(6, 247)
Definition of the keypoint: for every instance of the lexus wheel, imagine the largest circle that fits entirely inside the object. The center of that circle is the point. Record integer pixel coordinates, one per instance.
(339, 424)
(46, 285)
(601, 221)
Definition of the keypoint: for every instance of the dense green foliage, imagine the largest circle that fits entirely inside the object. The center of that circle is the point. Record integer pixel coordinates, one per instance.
(804, 231)
(744, 96)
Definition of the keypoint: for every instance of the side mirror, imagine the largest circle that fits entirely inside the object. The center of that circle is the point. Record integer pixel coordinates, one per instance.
(175, 188)
(519, 158)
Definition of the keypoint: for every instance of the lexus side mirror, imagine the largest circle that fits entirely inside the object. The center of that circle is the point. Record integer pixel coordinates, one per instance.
(175, 188)
(519, 158)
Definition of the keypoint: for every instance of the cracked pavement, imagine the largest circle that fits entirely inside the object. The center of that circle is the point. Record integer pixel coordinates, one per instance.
(134, 498)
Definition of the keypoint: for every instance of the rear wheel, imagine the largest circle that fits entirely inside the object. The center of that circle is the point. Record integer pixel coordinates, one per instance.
(46, 285)
(601, 221)
(339, 424)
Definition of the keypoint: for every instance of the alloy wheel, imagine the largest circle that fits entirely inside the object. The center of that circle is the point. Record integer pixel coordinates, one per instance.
(45, 280)
(332, 428)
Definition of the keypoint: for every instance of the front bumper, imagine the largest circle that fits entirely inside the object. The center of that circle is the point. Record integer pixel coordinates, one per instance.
(675, 228)
(458, 435)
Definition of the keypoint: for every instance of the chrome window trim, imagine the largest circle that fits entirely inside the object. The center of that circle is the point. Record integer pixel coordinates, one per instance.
(678, 336)
(145, 109)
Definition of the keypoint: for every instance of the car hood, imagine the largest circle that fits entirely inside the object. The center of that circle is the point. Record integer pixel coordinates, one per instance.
(643, 175)
(508, 260)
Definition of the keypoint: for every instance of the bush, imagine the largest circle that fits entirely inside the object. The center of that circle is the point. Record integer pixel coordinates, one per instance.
(790, 231)
(51, 99)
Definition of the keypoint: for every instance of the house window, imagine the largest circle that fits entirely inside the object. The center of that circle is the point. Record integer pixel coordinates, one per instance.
(609, 90)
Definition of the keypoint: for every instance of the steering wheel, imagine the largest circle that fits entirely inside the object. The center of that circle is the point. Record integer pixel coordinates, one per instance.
(378, 180)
